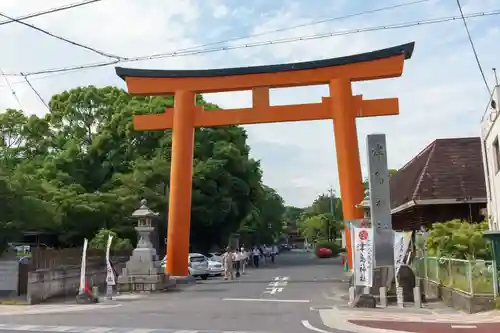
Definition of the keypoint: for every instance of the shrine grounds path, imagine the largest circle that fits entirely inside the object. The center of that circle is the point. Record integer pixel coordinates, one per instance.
(297, 294)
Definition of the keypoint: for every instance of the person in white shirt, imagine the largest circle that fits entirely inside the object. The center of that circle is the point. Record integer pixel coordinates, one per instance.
(244, 259)
(237, 262)
(255, 256)
(274, 253)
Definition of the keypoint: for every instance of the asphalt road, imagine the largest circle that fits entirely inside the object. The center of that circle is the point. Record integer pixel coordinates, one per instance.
(274, 298)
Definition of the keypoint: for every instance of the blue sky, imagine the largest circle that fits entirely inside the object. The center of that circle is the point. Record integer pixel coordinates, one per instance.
(441, 92)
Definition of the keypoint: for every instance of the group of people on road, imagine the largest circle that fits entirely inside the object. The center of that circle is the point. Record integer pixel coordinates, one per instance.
(234, 260)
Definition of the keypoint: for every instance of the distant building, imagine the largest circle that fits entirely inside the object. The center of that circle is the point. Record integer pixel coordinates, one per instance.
(490, 132)
(444, 181)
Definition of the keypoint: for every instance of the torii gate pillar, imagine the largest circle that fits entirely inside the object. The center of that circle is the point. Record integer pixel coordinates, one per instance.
(181, 175)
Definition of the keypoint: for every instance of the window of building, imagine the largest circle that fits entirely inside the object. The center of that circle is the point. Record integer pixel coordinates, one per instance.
(496, 153)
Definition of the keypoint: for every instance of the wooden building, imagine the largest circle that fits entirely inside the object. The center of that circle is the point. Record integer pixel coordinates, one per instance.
(444, 181)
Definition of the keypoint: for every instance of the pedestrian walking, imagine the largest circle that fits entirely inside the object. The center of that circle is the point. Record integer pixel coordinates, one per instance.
(274, 253)
(256, 255)
(237, 262)
(244, 259)
(227, 262)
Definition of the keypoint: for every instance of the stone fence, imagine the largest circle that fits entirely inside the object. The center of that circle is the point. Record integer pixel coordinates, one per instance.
(45, 284)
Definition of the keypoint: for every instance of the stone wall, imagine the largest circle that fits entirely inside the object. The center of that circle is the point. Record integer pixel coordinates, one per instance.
(457, 299)
(45, 284)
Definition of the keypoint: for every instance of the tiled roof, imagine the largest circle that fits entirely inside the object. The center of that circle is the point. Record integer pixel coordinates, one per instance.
(446, 169)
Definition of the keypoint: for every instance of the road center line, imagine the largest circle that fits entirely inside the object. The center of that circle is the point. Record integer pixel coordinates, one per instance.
(267, 300)
(463, 326)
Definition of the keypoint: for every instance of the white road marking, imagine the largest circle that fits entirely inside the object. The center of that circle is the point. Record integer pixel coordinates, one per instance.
(140, 330)
(276, 286)
(463, 326)
(308, 325)
(273, 291)
(24, 328)
(267, 300)
(99, 330)
(60, 329)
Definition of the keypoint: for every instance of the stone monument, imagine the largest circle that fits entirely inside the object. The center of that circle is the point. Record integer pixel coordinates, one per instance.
(143, 271)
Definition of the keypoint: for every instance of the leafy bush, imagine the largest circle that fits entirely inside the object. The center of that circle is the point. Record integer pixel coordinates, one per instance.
(100, 241)
(333, 246)
(458, 239)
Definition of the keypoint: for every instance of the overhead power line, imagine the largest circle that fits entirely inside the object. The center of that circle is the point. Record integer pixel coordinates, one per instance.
(102, 53)
(12, 91)
(50, 11)
(473, 47)
(182, 53)
(293, 27)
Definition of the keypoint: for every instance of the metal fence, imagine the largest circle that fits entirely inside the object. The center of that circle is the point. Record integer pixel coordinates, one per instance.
(472, 277)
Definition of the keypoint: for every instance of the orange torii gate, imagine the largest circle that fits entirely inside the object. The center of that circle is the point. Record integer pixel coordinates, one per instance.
(341, 106)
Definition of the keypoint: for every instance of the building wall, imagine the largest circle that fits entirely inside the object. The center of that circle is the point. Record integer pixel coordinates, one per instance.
(417, 216)
(490, 133)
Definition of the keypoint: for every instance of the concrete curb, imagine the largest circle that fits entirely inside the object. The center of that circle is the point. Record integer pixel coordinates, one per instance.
(183, 280)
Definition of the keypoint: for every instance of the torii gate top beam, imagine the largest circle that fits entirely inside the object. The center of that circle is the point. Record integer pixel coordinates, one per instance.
(379, 64)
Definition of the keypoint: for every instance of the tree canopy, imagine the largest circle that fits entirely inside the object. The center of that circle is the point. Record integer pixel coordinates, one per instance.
(82, 168)
(458, 239)
(323, 220)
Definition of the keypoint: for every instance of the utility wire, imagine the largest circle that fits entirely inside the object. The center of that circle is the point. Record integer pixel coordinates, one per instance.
(180, 53)
(473, 47)
(102, 53)
(50, 11)
(11, 89)
(101, 64)
(337, 18)
(36, 93)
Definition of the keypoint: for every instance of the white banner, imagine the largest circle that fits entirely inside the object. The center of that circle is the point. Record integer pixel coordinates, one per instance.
(401, 244)
(363, 256)
(110, 274)
(83, 267)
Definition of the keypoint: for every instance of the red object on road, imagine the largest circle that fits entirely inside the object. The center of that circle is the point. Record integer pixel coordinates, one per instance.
(324, 252)
(423, 327)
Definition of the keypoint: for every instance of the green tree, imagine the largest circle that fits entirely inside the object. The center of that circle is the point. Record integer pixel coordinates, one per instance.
(458, 239)
(83, 168)
(100, 241)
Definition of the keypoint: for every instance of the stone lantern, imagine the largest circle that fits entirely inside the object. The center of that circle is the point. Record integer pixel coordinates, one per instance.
(143, 271)
(365, 204)
(144, 228)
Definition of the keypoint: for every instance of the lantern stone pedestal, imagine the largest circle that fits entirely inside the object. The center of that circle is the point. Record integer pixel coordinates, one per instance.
(143, 272)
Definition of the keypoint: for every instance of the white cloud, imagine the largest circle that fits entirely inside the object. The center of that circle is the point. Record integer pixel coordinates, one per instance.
(441, 92)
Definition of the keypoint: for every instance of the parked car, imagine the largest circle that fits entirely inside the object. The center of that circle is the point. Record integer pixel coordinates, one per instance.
(324, 252)
(215, 266)
(198, 265)
(216, 256)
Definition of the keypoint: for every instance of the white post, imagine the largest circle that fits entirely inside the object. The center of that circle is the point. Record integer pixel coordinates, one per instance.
(495, 277)
(417, 297)
(383, 297)
(352, 295)
(469, 277)
(399, 295)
